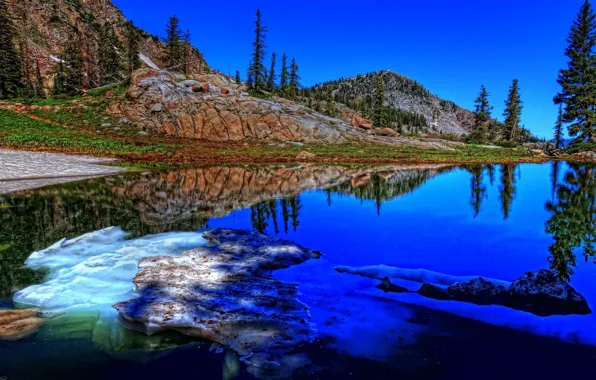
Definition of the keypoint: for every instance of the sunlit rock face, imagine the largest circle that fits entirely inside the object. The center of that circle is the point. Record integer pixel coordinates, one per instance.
(95, 270)
(224, 292)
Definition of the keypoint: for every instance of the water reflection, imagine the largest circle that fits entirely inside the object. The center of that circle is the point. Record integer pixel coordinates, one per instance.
(572, 223)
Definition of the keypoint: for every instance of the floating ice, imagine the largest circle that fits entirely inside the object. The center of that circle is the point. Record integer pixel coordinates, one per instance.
(95, 270)
(571, 328)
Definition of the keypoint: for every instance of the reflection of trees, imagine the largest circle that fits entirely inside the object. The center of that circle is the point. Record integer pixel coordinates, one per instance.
(262, 214)
(572, 223)
(507, 188)
(477, 188)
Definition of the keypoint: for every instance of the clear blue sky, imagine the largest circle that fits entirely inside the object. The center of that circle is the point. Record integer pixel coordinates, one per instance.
(451, 47)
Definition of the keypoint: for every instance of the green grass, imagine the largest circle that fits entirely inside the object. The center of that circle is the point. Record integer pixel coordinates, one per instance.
(19, 131)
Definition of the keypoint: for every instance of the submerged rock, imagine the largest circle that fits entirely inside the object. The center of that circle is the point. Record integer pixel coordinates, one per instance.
(388, 287)
(19, 324)
(478, 291)
(543, 293)
(434, 292)
(225, 293)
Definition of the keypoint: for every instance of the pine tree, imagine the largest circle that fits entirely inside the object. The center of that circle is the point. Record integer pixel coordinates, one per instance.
(272, 76)
(507, 189)
(294, 85)
(39, 91)
(10, 61)
(285, 74)
(578, 80)
(331, 108)
(482, 116)
(70, 73)
(186, 52)
(109, 59)
(257, 69)
(379, 110)
(512, 113)
(558, 139)
(173, 41)
(238, 79)
(133, 40)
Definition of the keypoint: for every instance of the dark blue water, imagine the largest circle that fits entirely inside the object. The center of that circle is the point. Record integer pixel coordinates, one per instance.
(493, 221)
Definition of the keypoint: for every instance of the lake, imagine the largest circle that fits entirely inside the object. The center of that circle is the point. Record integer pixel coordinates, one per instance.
(494, 221)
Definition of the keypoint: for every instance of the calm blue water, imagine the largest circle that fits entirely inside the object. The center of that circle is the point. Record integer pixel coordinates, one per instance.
(488, 221)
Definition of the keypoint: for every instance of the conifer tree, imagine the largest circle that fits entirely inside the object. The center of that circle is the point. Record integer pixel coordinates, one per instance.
(578, 80)
(294, 85)
(512, 113)
(186, 52)
(558, 139)
(10, 61)
(272, 76)
(39, 92)
(173, 41)
(379, 110)
(70, 73)
(482, 115)
(507, 189)
(285, 74)
(478, 189)
(238, 79)
(331, 108)
(257, 70)
(109, 59)
(133, 40)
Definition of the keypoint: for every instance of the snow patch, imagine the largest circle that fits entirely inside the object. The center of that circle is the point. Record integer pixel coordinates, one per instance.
(148, 61)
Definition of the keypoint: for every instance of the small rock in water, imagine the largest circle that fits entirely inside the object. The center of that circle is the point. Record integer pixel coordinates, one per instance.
(19, 324)
(478, 291)
(388, 287)
(434, 292)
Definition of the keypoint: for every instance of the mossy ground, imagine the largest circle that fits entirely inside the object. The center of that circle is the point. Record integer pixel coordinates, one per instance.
(82, 125)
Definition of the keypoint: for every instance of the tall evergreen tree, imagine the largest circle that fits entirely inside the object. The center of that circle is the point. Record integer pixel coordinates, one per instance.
(39, 91)
(578, 80)
(379, 110)
(285, 74)
(272, 77)
(109, 59)
(10, 61)
(238, 79)
(512, 113)
(558, 139)
(478, 189)
(70, 73)
(507, 189)
(294, 85)
(331, 108)
(173, 41)
(186, 51)
(482, 115)
(133, 41)
(257, 68)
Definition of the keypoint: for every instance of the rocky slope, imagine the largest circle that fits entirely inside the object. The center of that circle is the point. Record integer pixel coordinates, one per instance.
(405, 94)
(48, 25)
(195, 109)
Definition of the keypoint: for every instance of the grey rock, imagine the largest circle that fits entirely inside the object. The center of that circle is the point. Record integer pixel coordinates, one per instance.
(434, 292)
(478, 291)
(106, 125)
(143, 133)
(543, 293)
(157, 107)
(388, 287)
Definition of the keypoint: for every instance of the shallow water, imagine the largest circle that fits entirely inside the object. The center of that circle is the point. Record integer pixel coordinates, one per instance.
(492, 221)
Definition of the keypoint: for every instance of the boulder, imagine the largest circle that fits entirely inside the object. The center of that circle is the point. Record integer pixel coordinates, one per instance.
(157, 107)
(361, 122)
(388, 287)
(386, 132)
(543, 293)
(305, 156)
(434, 292)
(225, 91)
(478, 291)
(19, 324)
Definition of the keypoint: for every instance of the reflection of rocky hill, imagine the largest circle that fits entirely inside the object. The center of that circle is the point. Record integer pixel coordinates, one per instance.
(390, 183)
(180, 200)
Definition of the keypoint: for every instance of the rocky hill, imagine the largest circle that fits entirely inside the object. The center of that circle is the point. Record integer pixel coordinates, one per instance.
(406, 95)
(45, 26)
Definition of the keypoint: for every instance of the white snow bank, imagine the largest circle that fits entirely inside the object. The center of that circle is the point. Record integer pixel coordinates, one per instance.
(379, 272)
(56, 59)
(148, 61)
(95, 271)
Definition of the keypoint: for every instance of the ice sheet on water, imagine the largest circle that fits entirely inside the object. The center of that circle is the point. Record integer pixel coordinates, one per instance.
(572, 328)
(96, 270)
